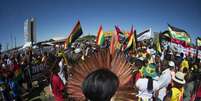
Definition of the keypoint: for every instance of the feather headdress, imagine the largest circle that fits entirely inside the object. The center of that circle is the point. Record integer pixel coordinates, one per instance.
(102, 59)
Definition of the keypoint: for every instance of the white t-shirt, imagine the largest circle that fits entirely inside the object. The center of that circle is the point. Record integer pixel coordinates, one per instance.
(143, 92)
(163, 81)
(165, 78)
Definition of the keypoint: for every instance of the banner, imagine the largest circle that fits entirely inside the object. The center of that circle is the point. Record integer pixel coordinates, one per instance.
(144, 35)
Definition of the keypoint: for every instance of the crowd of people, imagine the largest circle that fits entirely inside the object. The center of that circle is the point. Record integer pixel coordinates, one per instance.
(165, 76)
(18, 68)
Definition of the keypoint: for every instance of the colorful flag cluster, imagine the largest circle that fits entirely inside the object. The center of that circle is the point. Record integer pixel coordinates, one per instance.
(75, 34)
(128, 40)
(178, 36)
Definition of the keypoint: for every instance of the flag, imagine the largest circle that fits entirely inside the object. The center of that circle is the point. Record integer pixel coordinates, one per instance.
(115, 41)
(198, 41)
(75, 34)
(178, 34)
(131, 39)
(118, 32)
(100, 37)
(135, 40)
(144, 35)
(117, 37)
(157, 42)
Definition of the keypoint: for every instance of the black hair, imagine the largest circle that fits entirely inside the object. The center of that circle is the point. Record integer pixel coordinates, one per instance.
(150, 84)
(100, 85)
(54, 69)
(55, 66)
(181, 55)
(185, 70)
(177, 85)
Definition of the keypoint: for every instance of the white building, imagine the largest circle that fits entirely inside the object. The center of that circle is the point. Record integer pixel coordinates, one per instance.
(29, 28)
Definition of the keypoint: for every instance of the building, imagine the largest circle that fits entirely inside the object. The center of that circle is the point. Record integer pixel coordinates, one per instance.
(30, 30)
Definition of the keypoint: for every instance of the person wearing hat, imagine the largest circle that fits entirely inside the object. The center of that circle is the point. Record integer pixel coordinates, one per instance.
(165, 79)
(147, 86)
(177, 90)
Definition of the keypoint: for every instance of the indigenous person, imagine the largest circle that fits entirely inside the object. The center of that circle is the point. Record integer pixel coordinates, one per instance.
(100, 85)
(98, 78)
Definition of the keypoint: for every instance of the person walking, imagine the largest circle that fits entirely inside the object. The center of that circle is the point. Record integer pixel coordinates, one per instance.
(147, 86)
(176, 92)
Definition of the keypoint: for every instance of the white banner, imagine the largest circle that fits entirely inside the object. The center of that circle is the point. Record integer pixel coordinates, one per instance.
(144, 35)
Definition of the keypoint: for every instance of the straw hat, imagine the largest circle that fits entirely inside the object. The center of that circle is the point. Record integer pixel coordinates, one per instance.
(179, 78)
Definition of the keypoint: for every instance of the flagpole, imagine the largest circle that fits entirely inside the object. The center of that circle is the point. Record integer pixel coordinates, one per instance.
(15, 41)
(196, 42)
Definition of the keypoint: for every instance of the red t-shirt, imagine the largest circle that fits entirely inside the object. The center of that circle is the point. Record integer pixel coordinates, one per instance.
(57, 87)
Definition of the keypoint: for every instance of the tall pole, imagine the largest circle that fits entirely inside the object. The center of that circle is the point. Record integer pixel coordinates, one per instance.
(15, 42)
(7, 46)
(11, 38)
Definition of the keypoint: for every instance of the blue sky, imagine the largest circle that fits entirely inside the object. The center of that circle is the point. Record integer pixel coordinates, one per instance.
(57, 17)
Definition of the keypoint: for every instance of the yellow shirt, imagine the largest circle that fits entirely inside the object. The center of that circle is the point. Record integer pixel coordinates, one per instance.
(177, 94)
